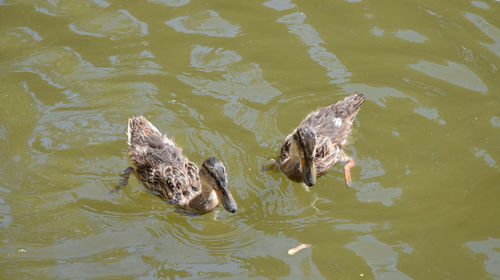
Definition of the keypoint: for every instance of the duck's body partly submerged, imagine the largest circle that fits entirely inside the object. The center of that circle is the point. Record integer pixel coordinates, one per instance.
(316, 144)
(167, 173)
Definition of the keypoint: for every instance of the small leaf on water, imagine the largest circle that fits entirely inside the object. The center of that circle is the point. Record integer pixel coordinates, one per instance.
(293, 251)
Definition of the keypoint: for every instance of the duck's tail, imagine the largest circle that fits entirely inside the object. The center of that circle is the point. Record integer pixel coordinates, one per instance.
(147, 146)
(349, 106)
(345, 111)
(138, 127)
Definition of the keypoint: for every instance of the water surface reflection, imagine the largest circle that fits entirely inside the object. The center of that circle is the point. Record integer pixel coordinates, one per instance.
(231, 80)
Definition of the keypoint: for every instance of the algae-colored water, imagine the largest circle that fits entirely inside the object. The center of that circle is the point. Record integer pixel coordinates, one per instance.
(232, 79)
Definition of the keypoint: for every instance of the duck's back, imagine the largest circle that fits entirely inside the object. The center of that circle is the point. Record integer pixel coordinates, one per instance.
(148, 148)
(334, 122)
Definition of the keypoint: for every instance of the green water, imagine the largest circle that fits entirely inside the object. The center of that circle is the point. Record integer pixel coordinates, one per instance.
(232, 79)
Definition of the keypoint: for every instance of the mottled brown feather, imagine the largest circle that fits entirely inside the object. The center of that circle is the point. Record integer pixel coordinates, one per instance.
(160, 164)
(332, 125)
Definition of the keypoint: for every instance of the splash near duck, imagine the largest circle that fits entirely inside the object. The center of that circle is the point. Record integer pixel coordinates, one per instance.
(316, 144)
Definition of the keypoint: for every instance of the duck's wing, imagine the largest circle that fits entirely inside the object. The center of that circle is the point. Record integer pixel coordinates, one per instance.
(327, 154)
(167, 182)
(335, 121)
(148, 148)
(174, 184)
(285, 149)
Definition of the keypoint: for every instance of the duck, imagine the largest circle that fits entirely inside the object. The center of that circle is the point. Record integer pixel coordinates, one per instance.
(318, 141)
(164, 171)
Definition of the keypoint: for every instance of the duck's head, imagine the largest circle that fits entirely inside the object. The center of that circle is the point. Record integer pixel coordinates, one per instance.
(213, 173)
(304, 145)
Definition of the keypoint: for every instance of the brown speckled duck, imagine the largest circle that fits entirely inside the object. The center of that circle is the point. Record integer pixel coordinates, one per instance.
(167, 173)
(316, 144)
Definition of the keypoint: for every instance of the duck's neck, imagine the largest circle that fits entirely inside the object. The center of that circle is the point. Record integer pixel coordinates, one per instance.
(291, 165)
(206, 200)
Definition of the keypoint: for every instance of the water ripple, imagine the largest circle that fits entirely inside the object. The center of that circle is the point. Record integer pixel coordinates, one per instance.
(453, 73)
(236, 80)
(223, 81)
(279, 5)
(16, 39)
(310, 37)
(170, 3)
(375, 192)
(236, 83)
(209, 59)
(411, 36)
(116, 25)
(480, 4)
(490, 248)
(381, 257)
(206, 23)
(489, 30)
(379, 95)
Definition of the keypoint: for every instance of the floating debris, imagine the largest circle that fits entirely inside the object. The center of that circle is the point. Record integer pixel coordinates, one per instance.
(293, 251)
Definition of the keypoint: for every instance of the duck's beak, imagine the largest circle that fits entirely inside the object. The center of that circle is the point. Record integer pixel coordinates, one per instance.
(308, 171)
(226, 198)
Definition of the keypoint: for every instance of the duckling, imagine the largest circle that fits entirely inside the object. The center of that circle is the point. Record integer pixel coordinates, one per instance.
(166, 172)
(316, 144)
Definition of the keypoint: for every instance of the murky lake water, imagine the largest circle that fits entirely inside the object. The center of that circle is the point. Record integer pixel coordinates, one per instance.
(232, 79)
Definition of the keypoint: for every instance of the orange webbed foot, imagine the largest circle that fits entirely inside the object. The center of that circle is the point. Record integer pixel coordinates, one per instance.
(347, 171)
